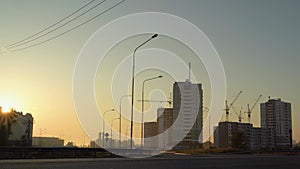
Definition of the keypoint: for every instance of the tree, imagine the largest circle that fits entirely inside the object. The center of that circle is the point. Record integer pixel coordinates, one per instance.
(6, 122)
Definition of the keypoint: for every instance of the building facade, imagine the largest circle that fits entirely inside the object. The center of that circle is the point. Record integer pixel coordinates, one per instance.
(150, 130)
(21, 129)
(258, 139)
(216, 136)
(276, 118)
(227, 130)
(251, 138)
(188, 114)
(165, 121)
(47, 142)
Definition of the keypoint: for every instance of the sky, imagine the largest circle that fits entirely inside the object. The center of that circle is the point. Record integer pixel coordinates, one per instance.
(257, 42)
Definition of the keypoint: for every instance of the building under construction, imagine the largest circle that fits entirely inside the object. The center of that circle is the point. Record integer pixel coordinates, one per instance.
(275, 132)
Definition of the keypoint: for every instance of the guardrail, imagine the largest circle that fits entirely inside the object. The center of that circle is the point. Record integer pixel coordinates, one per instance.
(52, 152)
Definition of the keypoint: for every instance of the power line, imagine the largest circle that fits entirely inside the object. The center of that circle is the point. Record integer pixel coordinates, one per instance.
(66, 17)
(42, 35)
(69, 30)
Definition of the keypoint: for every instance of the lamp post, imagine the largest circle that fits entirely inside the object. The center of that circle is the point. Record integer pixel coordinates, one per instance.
(132, 85)
(103, 127)
(143, 98)
(120, 122)
(111, 128)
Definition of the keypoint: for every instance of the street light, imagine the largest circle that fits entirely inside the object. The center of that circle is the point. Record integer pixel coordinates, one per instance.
(103, 128)
(143, 98)
(120, 122)
(111, 128)
(132, 85)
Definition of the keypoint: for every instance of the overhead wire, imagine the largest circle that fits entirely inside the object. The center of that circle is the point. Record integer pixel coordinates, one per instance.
(69, 30)
(50, 26)
(48, 32)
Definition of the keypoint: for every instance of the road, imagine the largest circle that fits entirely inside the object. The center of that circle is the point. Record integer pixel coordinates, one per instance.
(162, 162)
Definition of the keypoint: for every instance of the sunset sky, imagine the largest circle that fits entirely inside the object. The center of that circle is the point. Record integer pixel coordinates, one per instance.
(258, 42)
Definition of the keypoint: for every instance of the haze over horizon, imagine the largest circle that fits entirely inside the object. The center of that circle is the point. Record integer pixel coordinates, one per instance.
(257, 41)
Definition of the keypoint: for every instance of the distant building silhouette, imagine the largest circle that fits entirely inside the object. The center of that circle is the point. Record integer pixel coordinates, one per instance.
(19, 128)
(150, 130)
(251, 138)
(164, 122)
(47, 142)
(276, 118)
(275, 132)
(188, 100)
(109, 142)
(187, 111)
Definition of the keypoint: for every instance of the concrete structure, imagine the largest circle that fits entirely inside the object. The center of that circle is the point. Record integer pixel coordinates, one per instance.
(258, 138)
(150, 130)
(165, 121)
(216, 136)
(276, 118)
(188, 101)
(21, 129)
(47, 142)
(227, 129)
(254, 138)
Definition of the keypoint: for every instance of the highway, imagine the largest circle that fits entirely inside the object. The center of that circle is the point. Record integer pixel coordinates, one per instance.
(161, 162)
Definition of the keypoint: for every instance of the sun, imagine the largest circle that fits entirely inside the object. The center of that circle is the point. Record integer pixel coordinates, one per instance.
(5, 108)
(7, 104)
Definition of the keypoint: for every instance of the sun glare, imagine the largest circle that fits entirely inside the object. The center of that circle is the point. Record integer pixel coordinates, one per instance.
(5, 109)
(7, 105)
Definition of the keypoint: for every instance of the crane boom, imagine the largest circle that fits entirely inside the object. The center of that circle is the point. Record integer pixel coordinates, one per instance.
(255, 102)
(227, 108)
(250, 109)
(237, 96)
(158, 101)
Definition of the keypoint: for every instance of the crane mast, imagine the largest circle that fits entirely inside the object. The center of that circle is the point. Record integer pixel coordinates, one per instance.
(249, 111)
(227, 108)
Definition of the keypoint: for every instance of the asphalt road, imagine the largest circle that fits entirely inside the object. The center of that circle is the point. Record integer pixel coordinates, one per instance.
(163, 162)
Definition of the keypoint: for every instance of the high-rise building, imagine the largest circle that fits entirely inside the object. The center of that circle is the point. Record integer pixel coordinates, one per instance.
(188, 104)
(277, 119)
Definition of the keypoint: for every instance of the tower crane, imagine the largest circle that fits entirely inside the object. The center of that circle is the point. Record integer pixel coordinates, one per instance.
(227, 108)
(239, 115)
(249, 111)
(169, 101)
(158, 101)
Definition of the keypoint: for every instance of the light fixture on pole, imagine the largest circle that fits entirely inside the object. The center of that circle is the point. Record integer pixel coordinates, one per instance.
(132, 85)
(143, 98)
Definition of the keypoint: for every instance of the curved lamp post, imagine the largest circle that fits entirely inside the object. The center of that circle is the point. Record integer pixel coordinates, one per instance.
(132, 85)
(143, 99)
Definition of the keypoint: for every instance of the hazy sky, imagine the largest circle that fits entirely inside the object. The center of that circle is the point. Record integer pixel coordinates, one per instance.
(258, 42)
